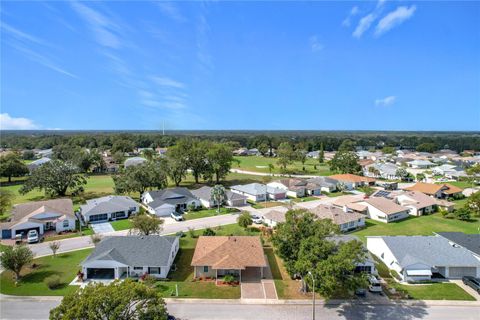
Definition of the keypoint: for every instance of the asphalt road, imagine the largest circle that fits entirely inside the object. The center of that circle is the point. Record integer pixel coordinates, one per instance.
(42, 249)
(34, 309)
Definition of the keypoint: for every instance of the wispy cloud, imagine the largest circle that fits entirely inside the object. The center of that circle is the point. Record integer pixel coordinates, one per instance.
(167, 82)
(394, 18)
(170, 10)
(353, 12)
(315, 44)
(385, 102)
(364, 25)
(20, 35)
(104, 29)
(202, 31)
(11, 123)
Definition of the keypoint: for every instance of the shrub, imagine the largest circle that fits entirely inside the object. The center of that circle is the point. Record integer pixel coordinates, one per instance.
(149, 280)
(228, 278)
(191, 233)
(209, 232)
(180, 234)
(244, 220)
(463, 214)
(52, 282)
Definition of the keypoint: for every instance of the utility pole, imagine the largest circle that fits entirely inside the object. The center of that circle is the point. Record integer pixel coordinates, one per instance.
(313, 289)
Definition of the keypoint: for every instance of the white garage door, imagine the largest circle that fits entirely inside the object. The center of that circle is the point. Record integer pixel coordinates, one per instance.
(458, 272)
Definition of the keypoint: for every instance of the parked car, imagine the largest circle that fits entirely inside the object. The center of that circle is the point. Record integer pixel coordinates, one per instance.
(472, 282)
(177, 216)
(361, 292)
(375, 285)
(256, 219)
(32, 236)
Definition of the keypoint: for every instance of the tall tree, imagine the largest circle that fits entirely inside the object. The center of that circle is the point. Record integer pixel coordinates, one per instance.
(177, 160)
(195, 151)
(149, 154)
(285, 155)
(55, 177)
(218, 195)
(321, 154)
(14, 258)
(122, 145)
(6, 199)
(11, 165)
(139, 178)
(345, 162)
(146, 224)
(347, 145)
(120, 300)
(219, 160)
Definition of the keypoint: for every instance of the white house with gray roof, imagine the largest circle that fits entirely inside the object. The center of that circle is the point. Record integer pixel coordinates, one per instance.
(131, 257)
(166, 201)
(204, 194)
(108, 208)
(259, 192)
(417, 258)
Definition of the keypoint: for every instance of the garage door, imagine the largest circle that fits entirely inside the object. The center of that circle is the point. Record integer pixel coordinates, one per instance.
(458, 272)
(101, 273)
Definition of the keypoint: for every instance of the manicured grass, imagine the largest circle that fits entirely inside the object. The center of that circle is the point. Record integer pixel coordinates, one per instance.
(460, 203)
(460, 184)
(123, 224)
(268, 204)
(424, 225)
(208, 213)
(65, 265)
(304, 199)
(260, 164)
(336, 194)
(434, 291)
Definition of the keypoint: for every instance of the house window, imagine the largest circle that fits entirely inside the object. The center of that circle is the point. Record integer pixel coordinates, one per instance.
(351, 223)
(66, 223)
(154, 270)
(205, 269)
(138, 268)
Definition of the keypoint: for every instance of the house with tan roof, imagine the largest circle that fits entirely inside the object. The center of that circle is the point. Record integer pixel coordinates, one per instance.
(353, 181)
(50, 215)
(219, 256)
(418, 202)
(384, 210)
(274, 217)
(346, 219)
(440, 191)
(296, 188)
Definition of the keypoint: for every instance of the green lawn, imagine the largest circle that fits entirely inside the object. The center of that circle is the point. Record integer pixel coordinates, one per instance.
(336, 194)
(268, 204)
(433, 291)
(304, 199)
(424, 225)
(123, 224)
(460, 184)
(208, 213)
(65, 265)
(260, 164)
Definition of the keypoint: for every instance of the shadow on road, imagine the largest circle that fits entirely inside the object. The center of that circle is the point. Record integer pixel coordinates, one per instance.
(392, 311)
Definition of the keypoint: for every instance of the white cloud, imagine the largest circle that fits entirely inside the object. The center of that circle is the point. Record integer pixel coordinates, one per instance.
(167, 82)
(10, 123)
(394, 18)
(20, 35)
(364, 25)
(170, 10)
(315, 44)
(385, 102)
(353, 12)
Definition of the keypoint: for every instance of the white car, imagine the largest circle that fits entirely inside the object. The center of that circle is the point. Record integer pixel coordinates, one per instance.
(375, 285)
(177, 216)
(257, 220)
(32, 236)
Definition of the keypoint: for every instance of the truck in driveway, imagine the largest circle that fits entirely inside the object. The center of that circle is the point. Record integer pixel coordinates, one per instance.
(472, 282)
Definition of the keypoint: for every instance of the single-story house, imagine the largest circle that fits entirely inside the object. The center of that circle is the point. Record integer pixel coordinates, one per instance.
(440, 191)
(108, 208)
(296, 188)
(37, 163)
(368, 265)
(164, 202)
(420, 164)
(232, 199)
(382, 170)
(325, 184)
(417, 258)
(351, 202)
(259, 192)
(274, 217)
(44, 153)
(133, 161)
(418, 203)
(121, 257)
(384, 210)
(217, 256)
(346, 219)
(50, 215)
(471, 242)
(353, 181)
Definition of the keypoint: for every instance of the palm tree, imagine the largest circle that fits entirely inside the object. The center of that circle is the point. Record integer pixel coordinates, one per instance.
(270, 168)
(218, 195)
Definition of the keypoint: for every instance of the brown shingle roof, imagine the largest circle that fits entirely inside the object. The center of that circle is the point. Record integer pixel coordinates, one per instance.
(385, 205)
(222, 252)
(432, 188)
(338, 216)
(348, 177)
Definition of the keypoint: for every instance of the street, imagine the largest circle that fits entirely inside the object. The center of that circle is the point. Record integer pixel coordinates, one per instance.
(20, 308)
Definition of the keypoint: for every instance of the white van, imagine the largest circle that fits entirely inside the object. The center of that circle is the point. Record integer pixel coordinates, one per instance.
(375, 285)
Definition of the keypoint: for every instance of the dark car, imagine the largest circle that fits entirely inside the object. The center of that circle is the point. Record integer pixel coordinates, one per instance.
(472, 282)
(361, 292)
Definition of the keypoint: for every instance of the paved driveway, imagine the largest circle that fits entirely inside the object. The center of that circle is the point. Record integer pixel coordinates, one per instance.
(470, 291)
(100, 228)
(254, 287)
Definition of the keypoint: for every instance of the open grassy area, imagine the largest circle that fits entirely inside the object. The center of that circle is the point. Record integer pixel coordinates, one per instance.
(460, 184)
(208, 213)
(304, 199)
(433, 291)
(260, 164)
(64, 265)
(336, 194)
(424, 225)
(268, 204)
(123, 224)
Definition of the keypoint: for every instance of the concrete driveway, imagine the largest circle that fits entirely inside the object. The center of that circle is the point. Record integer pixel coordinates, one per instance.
(470, 291)
(100, 228)
(254, 287)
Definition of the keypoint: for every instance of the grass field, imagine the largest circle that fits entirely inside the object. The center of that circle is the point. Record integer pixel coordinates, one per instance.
(64, 265)
(260, 164)
(208, 213)
(424, 225)
(433, 291)
(268, 204)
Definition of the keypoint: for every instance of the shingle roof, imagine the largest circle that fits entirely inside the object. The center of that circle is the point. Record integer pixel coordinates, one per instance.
(222, 252)
(385, 205)
(323, 182)
(25, 211)
(204, 193)
(134, 161)
(257, 189)
(347, 177)
(138, 251)
(170, 196)
(416, 199)
(430, 250)
(108, 204)
(432, 188)
(275, 215)
(338, 216)
(468, 241)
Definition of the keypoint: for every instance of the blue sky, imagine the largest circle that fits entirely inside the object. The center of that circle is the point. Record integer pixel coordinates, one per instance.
(384, 65)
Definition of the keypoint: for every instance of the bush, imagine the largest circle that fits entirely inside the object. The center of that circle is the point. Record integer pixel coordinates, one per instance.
(208, 232)
(228, 278)
(463, 214)
(149, 280)
(52, 282)
(180, 234)
(244, 220)
(191, 233)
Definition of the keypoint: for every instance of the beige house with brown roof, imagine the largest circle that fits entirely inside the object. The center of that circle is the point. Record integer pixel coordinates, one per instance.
(51, 215)
(385, 210)
(218, 256)
(440, 191)
(296, 188)
(346, 219)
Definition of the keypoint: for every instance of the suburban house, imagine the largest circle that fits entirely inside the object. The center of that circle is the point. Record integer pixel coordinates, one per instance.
(325, 184)
(384, 210)
(346, 219)
(134, 161)
(232, 199)
(353, 181)
(449, 171)
(50, 215)
(417, 258)
(37, 163)
(259, 192)
(108, 208)
(275, 216)
(368, 265)
(440, 191)
(418, 203)
(352, 203)
(239, 256)
(471, 242)
(296, 188)
(420, 164)
(122, 257)
(44, 153)
(386, 171)
(164, 202)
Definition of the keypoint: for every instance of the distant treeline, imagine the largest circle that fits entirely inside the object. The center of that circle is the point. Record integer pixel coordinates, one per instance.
(308, 140)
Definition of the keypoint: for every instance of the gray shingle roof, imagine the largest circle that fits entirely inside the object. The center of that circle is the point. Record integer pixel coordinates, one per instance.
(429, 250)
(108, 204)
(257, 189)
(172, 196)
(138, 251)
(468, 241)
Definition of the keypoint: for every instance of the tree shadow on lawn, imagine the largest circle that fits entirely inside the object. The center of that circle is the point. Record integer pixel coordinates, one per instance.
(37, 276)
(393, 311)
(183, 271)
